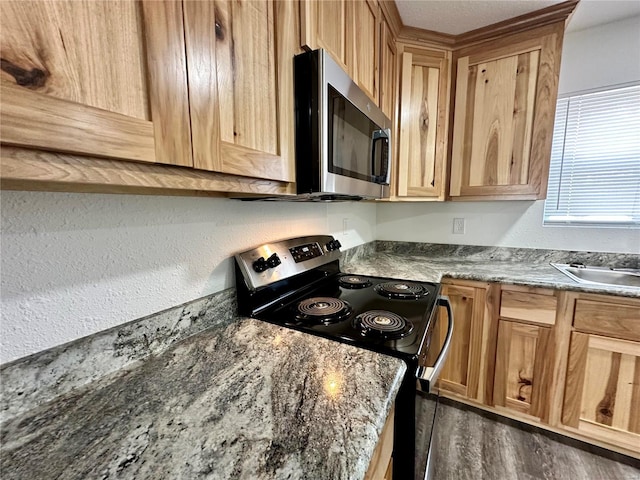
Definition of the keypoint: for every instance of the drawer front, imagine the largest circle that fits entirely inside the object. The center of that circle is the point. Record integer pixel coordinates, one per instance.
(530, 307)
(611, 319)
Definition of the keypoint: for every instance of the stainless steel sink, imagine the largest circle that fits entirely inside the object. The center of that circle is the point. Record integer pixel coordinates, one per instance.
(622, 277)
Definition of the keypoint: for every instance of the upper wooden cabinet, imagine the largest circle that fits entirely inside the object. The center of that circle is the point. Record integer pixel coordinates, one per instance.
(424, 108)
(105, 79)
(504, 113)
(327, 25)
(240, 73)
(205, 85)
(208, 85)
(350, 31)
(388, 71)
(366, 46)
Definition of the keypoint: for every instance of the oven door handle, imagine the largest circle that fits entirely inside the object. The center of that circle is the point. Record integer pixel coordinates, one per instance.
(429, 375)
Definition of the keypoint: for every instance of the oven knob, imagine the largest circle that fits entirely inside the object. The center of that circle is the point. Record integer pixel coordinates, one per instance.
(260, 265)
(273, 261)
(333, 245)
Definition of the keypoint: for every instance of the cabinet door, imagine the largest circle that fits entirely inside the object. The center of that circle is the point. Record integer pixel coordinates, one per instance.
(365, 41)
(461, 373)
(239, 57)
(423, 123)
(324, 24)
(504, 114)
(96, 78)
(602, 394)
(520, 375)
(388, 72)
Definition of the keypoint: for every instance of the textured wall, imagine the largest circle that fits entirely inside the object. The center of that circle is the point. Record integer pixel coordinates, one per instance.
(75, 264)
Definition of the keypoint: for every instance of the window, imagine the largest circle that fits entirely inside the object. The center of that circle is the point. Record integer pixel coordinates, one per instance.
(594, 177)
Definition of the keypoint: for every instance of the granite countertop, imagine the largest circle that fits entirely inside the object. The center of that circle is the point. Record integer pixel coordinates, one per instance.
(245, 400)
(433, 262)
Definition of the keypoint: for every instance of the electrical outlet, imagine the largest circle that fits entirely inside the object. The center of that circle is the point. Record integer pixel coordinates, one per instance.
(458, 226)
(345, 226)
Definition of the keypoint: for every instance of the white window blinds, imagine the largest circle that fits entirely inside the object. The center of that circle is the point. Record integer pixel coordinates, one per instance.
(594, 178)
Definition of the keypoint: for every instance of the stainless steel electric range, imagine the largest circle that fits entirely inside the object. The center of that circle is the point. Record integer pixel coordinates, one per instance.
(297, 283)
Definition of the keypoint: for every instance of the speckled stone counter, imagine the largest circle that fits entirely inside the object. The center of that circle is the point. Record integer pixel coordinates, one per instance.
(520, 266)
(245, 400)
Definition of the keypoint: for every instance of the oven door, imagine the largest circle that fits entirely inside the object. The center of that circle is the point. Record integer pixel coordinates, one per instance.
(426, 395)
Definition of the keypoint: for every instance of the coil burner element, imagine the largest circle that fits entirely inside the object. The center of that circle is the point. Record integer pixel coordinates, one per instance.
(354, 282)
(401, 290)
(323, 310)
(383, 324)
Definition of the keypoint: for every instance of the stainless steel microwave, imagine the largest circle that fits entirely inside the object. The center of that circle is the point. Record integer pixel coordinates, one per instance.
(343, 140)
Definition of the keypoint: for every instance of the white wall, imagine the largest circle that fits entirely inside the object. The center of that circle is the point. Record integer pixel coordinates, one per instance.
(591, 58)
(75, 264)
(504, 224)
(601, 56)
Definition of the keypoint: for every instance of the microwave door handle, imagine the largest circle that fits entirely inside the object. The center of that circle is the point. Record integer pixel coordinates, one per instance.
(429, 375)
(380, 135)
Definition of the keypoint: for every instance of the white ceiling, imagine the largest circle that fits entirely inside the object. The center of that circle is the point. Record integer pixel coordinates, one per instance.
(459, 16)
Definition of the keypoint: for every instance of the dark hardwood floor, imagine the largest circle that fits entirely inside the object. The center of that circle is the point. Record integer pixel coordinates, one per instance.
(478, 445)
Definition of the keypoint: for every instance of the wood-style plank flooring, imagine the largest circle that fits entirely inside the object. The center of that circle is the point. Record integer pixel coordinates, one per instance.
(478, 445)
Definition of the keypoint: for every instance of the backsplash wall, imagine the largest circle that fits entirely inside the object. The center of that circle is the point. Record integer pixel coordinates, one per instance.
(76, 264)
(500, 224)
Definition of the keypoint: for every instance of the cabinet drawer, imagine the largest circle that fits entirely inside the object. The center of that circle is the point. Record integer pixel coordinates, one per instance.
(531, 307)
(611, 319)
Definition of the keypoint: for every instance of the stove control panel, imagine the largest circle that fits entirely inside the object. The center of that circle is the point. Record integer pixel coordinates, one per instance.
(276, 261)
(305, 252)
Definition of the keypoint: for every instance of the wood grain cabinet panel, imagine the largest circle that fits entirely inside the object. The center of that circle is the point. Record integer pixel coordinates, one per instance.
(529, 344)
(365, 34)
(504, 113)
(239, 58)
(471, 353)
(423, 123)
(529, 306)
(602, 395)
(521, 382)
(350, 32)
(608, 316)
(97, 78)
(380, 464)
(388, 71)
(327, 24)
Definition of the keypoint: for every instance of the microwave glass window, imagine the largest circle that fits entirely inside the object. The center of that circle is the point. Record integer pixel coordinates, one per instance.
(358, 148)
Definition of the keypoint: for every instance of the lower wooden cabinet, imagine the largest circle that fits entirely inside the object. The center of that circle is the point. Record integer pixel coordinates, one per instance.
(602, 390)
(470, 355)
(566, 361)
(380, 467)
(521, 355)
(602, 394)
(525, 349)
